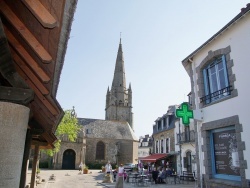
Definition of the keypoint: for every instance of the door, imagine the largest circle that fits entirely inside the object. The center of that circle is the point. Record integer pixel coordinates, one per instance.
(69, 157)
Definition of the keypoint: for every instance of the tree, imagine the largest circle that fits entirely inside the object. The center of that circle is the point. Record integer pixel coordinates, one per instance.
(68, 127)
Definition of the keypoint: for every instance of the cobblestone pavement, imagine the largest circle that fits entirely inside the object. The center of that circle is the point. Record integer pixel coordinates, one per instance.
(73, 179)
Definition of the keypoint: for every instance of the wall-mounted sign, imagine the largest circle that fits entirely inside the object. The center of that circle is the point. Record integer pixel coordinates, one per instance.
(184, 113)
(226, 153)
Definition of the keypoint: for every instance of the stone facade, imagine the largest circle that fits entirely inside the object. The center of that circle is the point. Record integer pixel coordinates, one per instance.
(120, 143)
(118, 98)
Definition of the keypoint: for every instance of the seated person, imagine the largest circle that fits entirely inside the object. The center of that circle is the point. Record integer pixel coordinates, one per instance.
(162, 176)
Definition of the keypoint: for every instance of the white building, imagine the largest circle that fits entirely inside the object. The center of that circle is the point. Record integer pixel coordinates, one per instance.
(219, 74)
(145, 146)
(185, 147)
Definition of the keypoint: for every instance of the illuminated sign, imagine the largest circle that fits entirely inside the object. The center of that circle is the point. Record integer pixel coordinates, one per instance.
(184, 113)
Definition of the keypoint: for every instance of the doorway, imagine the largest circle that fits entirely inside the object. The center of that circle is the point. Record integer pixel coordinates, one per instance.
(69, 157)
(189, 161)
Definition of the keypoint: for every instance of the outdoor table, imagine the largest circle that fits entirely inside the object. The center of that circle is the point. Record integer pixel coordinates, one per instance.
(175, 176)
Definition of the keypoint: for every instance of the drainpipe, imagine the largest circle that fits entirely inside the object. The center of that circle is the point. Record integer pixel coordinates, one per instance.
(197, 126)
(180, 145)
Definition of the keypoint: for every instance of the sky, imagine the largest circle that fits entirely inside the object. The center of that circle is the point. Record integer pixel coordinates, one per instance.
(156, 36)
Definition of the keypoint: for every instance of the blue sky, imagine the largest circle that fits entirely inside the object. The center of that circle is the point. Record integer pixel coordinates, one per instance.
(156, 36)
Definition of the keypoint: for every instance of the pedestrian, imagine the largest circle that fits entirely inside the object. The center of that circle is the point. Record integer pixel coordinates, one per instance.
(155, 174)
(108, 168)
(80, 166)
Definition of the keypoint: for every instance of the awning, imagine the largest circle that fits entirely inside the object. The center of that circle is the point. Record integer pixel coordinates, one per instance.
(154, 157)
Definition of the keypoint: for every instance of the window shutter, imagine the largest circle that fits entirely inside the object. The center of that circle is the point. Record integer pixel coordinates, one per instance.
(206, 86)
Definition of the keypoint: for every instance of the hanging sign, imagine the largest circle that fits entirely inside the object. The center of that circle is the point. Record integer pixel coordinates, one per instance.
(184, 113)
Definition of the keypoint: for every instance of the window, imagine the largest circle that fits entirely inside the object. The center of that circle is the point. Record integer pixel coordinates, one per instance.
(159, 125)
(156, 147)
(164, 122)
(88, 131)
(167, 145)
(216, 82)
(224, 154)
(100, 150)
(187, 134)
(162, 146)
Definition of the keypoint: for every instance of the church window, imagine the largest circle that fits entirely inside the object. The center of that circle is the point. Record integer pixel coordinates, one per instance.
(100, 150)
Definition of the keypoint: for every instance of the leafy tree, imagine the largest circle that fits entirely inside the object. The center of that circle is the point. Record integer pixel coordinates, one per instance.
(68, 127)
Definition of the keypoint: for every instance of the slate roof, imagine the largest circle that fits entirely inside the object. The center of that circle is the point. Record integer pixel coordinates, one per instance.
(108, 129)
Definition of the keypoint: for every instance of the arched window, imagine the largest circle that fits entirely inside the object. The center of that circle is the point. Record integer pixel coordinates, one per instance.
(100, 150)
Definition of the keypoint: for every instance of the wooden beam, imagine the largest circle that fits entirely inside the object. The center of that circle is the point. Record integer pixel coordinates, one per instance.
(28, 75)
(25, 33)
(26, 57)
(35, 142)
(16, 95)
(7, 67)
(40, 96)
(41, 13)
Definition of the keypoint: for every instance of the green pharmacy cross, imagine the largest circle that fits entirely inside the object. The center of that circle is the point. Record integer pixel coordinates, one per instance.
(184, 113)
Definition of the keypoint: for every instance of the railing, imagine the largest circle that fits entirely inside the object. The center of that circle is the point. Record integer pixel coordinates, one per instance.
(216, 95)
(185, 137)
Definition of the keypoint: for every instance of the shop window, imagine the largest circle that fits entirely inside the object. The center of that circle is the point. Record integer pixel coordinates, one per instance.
(224, 154)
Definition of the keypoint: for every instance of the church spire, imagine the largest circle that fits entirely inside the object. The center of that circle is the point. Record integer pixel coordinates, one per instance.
(119, 98)
(119, 80)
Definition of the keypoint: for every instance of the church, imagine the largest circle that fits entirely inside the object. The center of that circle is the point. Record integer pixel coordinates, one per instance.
(112, 139)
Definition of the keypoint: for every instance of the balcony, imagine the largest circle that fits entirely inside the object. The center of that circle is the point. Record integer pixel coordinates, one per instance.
(186, 137)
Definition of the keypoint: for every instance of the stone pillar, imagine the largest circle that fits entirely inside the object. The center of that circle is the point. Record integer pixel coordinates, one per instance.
(13, 126)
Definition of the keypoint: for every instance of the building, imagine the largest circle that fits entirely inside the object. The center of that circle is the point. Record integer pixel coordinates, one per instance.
(34, 37)
(164, 140)
(219, 74)
(111, 139)
(185, 146)
(145, 146)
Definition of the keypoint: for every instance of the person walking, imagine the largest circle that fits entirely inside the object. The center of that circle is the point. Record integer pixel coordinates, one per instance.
(108, 168)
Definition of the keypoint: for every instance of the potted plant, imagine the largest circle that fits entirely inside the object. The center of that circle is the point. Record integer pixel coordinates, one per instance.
(85, 169)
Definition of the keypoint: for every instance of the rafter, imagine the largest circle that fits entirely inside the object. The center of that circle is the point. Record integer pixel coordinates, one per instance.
(28, 75)
(26, 57)
(41, 13)
(25, 33)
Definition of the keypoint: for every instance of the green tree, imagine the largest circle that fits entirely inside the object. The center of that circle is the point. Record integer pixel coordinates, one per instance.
(68, 127)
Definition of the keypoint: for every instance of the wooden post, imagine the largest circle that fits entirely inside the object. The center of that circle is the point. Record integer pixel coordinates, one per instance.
(34, 167)
(25, 158)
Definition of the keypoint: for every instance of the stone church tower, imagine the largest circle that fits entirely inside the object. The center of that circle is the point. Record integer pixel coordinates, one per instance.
(112, 139)
(118, 98)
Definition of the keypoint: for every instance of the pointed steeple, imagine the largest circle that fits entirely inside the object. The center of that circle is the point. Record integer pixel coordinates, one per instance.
(119, 80)
(119, 98)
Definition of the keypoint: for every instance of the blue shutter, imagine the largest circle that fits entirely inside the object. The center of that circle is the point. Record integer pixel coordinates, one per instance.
(206, 86)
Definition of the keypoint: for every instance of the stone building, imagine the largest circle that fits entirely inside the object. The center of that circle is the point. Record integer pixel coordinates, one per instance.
(110, 139)
(164, 140)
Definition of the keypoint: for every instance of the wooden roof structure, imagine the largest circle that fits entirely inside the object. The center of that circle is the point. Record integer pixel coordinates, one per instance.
(33, 42)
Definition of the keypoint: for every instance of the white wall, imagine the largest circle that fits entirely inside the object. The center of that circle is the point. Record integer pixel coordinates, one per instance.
(238, 38)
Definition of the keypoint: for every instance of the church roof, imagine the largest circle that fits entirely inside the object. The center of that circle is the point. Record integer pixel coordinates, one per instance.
(107, 129)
